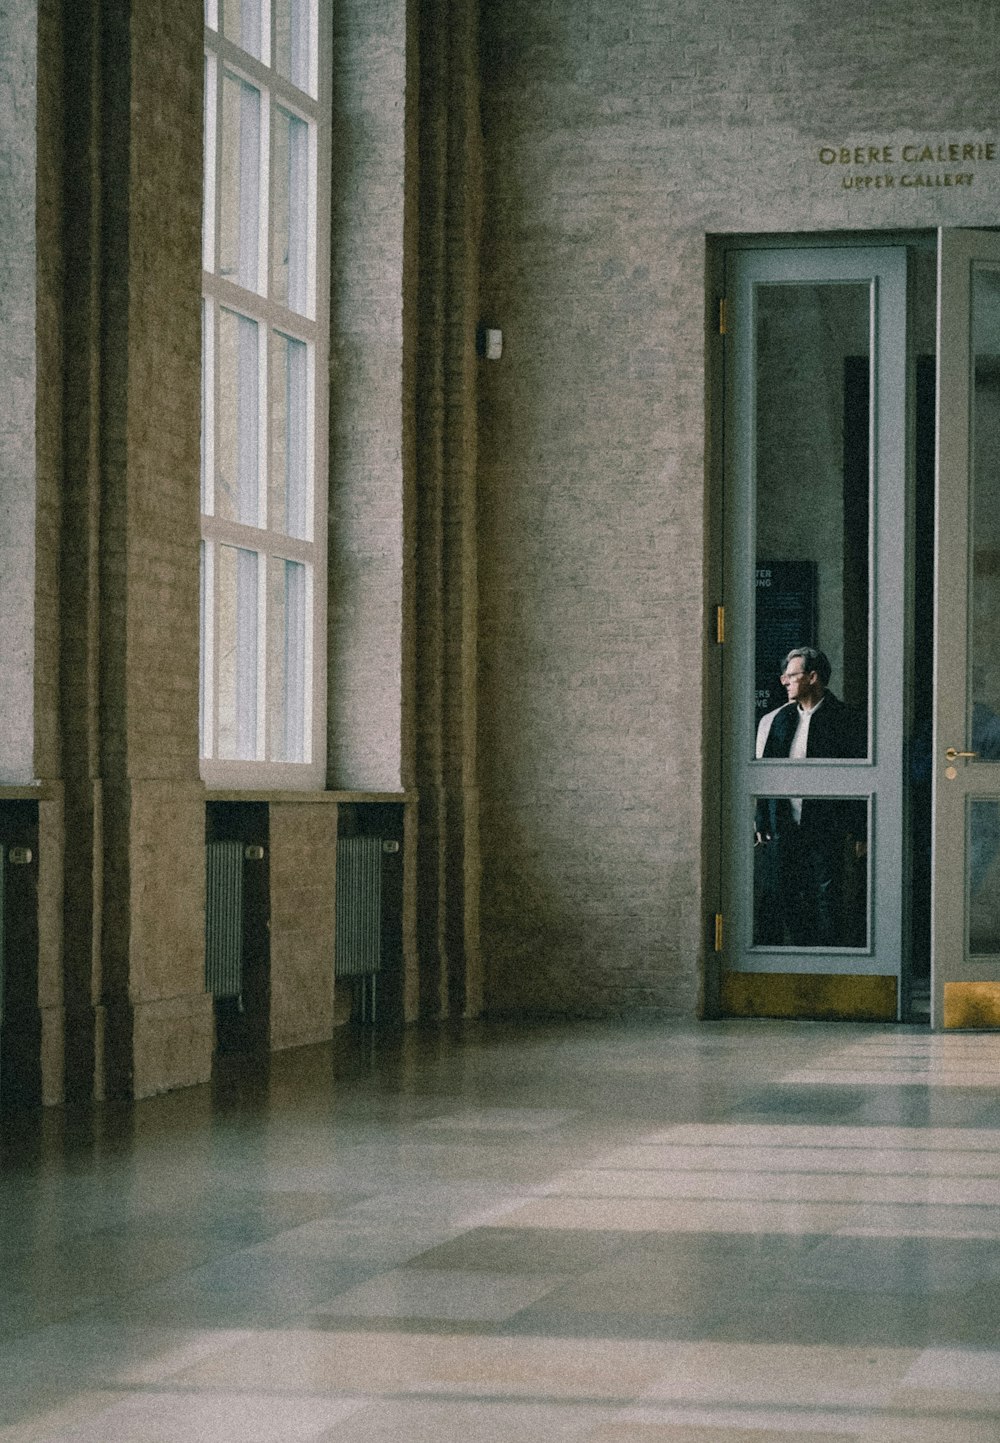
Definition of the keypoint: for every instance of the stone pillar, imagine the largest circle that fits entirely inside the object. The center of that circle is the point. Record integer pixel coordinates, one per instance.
(138, 1019)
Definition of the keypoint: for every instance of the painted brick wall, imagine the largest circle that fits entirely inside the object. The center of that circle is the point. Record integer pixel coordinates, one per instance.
(616, 137)
(366, 395)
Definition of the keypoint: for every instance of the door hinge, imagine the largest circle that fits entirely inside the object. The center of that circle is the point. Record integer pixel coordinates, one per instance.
(722, 315)
(720, 625)
(718, 931)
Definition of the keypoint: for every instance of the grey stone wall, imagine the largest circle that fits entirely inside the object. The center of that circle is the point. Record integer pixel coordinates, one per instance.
(303, 855)
(366, 396)
(18, 101)
(121, 924)
(617, 137)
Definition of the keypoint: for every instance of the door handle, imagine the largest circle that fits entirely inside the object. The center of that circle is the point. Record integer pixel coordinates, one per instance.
(952, 755)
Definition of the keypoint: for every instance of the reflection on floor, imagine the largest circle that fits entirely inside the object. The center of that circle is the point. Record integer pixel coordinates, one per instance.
(661, 1233)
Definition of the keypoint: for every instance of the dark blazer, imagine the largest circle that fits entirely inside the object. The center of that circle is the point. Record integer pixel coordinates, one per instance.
(836, 730)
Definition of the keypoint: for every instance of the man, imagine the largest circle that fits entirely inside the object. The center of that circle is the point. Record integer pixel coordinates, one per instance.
(807, 840)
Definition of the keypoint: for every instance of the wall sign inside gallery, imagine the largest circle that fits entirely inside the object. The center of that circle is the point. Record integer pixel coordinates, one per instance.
(914, 165)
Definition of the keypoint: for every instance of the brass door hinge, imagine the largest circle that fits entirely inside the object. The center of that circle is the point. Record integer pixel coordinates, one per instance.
(720, 625)
(722, 315)
(718, 931)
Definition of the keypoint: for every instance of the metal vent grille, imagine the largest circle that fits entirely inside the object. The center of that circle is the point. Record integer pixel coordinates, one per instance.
(224, 919)
(358, 945)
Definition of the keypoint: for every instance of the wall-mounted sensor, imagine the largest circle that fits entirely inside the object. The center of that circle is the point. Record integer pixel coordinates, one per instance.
(492, 344)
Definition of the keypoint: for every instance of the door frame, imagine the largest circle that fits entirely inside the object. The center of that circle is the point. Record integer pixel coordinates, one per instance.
(720, 248)
(965, 987)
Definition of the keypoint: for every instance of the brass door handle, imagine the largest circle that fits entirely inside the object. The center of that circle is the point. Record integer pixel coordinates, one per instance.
(952, 755)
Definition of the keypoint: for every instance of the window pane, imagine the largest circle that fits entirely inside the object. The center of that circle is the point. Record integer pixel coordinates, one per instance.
(286, 657)
(290, 213)
(237, 458)
(813, 484)
(239, 180)
(292, 24)
(810, 872)
(208, 160)
(206, 405)
(287, 503)
(207, 651)
(237, 671)
(242, 25)
(983, 730)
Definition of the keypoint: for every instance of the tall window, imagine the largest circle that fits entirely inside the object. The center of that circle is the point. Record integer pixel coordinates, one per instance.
(264, 401)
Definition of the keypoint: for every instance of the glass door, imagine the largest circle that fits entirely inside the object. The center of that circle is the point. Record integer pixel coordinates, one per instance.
(965, 958)
(813, 667)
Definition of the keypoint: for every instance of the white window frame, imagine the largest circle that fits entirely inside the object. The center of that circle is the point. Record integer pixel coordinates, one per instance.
(274, 321)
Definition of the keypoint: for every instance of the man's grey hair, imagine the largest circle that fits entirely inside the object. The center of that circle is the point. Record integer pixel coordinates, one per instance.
(812, 660)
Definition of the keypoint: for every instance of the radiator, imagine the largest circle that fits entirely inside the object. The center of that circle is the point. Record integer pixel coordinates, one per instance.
(224, 919)
(358, 943)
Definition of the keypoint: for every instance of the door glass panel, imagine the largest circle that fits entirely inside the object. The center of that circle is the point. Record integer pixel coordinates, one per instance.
(984, 661)
(812, 370)
(810, 872)
(984, 876)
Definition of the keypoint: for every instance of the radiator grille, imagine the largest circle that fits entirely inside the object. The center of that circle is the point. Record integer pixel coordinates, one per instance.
(358, 945)
(224, 919)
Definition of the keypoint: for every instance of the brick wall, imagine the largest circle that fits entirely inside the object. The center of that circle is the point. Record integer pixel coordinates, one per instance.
(616, 137)
(366, 395)
(116, 672)
(18, 27)
(303, 856)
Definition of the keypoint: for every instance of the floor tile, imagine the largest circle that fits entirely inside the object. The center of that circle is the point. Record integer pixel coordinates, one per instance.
(419, 1420)
(910, 1426)
(451, 1295)
(519, 1250)
(245, 1417)
(781, 1374)
(379, 1363)
(656, 1215)
(976, 1370)
(730, 1425)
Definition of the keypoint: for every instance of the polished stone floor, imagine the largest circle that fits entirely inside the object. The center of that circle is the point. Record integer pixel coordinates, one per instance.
(657, 1233)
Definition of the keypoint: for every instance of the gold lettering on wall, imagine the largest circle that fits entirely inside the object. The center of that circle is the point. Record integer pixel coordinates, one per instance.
(881, 165)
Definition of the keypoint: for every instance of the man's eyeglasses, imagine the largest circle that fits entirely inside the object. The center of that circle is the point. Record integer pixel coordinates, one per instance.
(791, 675)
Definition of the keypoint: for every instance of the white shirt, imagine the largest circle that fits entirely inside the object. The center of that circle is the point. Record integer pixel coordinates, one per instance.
(799, 748)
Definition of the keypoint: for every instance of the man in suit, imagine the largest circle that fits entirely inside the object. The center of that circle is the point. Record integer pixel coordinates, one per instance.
(808, 841)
